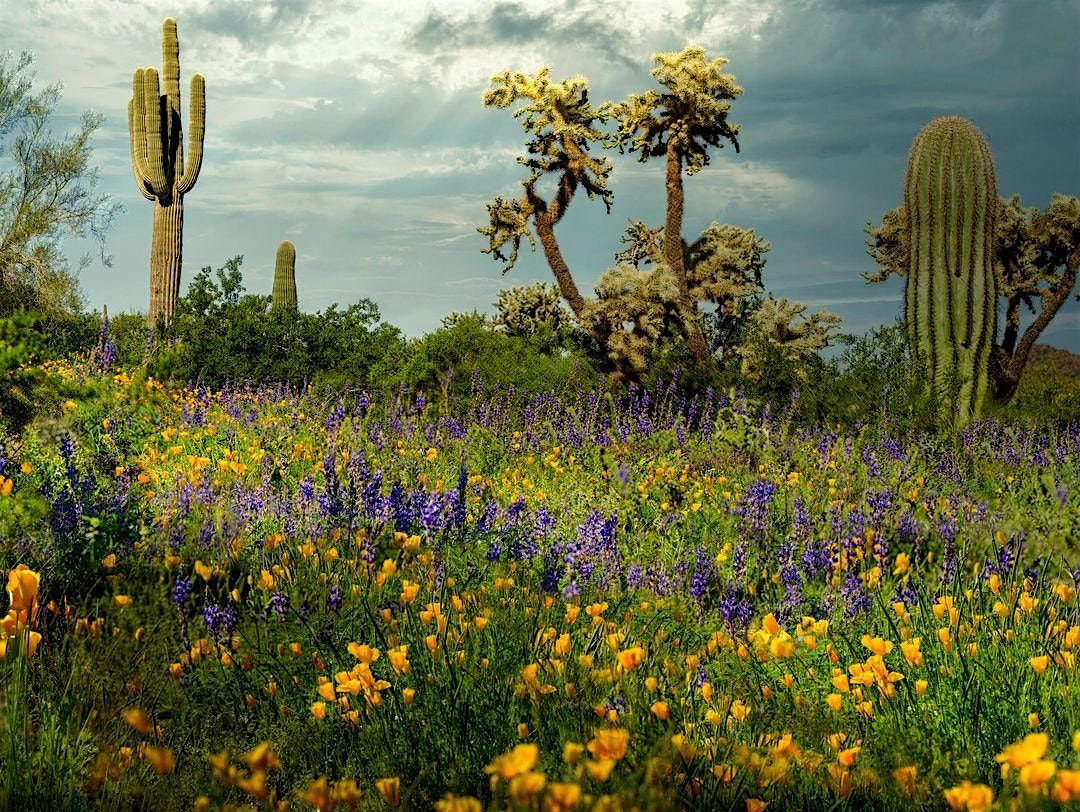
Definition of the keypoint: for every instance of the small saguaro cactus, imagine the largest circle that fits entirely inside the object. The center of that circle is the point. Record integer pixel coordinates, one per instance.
(162, 172)
(284, 293)
(950, 196)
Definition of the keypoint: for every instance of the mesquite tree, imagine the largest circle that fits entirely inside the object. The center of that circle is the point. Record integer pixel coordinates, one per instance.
(634, 308)
(162, 171)
(48, 190)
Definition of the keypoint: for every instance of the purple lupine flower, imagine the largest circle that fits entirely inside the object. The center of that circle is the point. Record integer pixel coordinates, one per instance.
(486, 520)
(736, 609)
(279, 602)
(181, 590)
(703, 576)
(947, 530)
(220, 621)
(855, 598)
(755, 504)
(333, 600)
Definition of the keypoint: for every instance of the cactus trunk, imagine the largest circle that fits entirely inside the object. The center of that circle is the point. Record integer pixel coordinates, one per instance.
(950, 300)
(165, 259)
(162, 173)
(284, 293)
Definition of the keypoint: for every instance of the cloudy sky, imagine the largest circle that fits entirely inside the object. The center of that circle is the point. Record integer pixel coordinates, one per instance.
(355, 129)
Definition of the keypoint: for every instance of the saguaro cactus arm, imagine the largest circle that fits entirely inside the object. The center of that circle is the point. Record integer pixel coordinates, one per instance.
(196, 133)
(147, 147)
(137, 140)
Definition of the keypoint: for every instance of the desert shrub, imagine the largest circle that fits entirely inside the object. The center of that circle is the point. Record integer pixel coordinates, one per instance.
(445, 362)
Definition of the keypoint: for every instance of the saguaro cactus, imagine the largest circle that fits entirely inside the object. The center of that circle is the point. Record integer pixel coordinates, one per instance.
(950, 194)
(161, 171)
(284, 293)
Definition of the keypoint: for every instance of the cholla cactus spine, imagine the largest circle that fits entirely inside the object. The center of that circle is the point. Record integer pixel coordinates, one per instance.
(284, 293)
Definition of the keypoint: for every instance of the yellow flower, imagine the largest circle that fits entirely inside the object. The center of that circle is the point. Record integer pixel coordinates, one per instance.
(109, 561)
(262, 758)
(1035, 775)
(525, 787)
(161, 759)
(22, 585)
(599, 770)
(122, 600)
(1029, 749)
(755, 805)
(458, 803)
(905, 778)
(1066, 787)
(390, 789)
(847, 757)
(971, 797)
(318, 710)
(609, 743)
(572, 751)
(1039, 664)
(561, 797)
(519, 760)
(834, 701)
(138, 719)
(631, 658)
(739, 710)
(660, 710)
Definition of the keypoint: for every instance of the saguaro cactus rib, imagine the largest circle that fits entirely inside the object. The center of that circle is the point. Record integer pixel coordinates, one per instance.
(950, 197)
(284, 292)
(157, 157)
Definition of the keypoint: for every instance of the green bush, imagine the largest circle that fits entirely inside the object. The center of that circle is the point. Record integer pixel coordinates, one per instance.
(444, 362)
(219, 335)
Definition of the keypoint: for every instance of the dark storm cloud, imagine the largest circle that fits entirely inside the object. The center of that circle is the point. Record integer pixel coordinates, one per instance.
(250, 22)
(508, 22)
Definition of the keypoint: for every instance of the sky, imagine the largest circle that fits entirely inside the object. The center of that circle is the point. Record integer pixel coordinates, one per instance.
(356, 130)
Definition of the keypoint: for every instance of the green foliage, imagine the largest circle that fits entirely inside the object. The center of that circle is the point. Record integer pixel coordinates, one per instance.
(444, 363)
(48, 190)
(21, 346)
(284, 292)
(950, 300)
(221, 335)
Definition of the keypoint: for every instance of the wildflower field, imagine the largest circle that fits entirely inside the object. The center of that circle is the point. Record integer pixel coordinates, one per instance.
(569, 601)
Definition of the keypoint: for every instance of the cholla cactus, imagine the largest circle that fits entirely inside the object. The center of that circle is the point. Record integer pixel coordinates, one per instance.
(523, 309)
(781, 324)
(284, 292)
(162, 172)
(635, 308)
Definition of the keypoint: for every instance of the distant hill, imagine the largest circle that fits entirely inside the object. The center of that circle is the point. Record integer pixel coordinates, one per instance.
(1050, 386)
(1046, 359)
